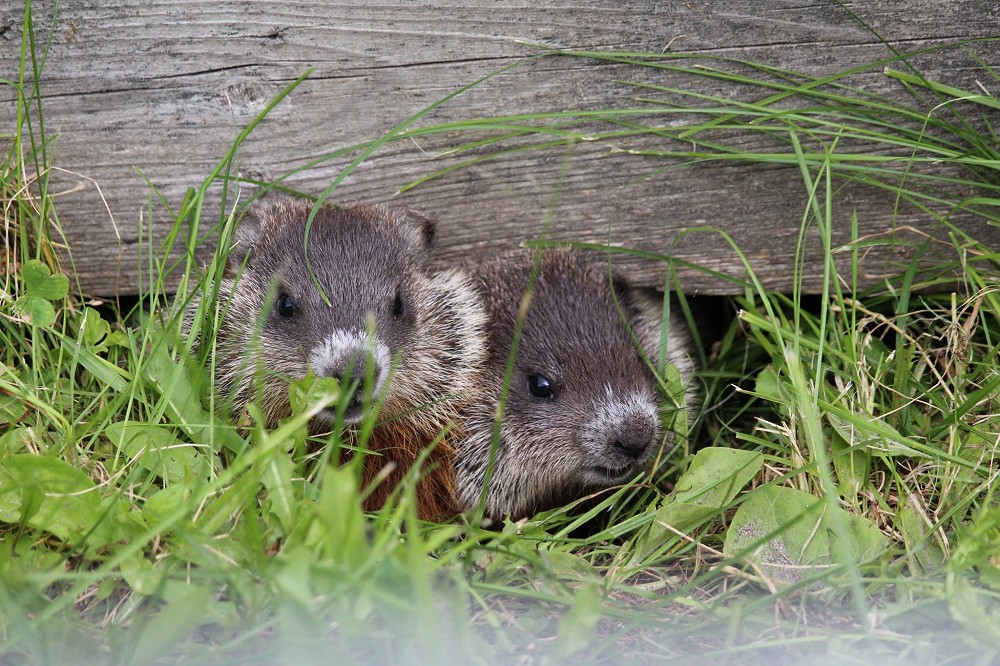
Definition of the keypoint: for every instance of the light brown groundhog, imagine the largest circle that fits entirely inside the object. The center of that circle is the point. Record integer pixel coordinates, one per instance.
(584, 410)
(421, 355)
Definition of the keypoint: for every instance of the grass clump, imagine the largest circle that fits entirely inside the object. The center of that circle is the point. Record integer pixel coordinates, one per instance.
(836, 496)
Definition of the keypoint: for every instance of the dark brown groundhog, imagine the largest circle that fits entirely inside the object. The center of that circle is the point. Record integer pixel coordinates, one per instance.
(584, 409)
(416, 336)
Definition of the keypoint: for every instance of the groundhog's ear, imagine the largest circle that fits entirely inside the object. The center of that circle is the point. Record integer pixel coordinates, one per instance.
(646, 320)
(619, 284)
(623, 290)
(598, 271)
(245, 237)
(643, 308)
(421, 231)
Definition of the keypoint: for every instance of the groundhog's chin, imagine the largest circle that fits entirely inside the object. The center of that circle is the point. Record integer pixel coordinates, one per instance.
(353, 412)
(602, 475)
(328, 416)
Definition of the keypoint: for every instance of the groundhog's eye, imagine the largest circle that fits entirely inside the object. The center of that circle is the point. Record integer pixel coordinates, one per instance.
(397, 306)
(540, 387)
(285, 305)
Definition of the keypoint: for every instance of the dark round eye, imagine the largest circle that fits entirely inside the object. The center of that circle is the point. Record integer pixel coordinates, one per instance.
(285, 305)
(397, 306)
(540, 387)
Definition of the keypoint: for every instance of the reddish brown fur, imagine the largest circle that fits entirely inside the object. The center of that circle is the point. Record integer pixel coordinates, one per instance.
(401, 447)
(361, 255)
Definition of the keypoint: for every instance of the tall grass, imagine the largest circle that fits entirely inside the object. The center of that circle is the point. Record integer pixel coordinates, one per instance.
(838, 499)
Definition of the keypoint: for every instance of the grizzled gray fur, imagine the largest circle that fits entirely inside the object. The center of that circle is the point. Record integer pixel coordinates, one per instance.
(584, 410)
(386, 307)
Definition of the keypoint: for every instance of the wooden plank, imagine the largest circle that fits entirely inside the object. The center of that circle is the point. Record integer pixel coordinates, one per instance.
(165, 86)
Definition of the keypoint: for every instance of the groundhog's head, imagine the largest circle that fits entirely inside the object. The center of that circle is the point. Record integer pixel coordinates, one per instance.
(583, 410)
(341, 298)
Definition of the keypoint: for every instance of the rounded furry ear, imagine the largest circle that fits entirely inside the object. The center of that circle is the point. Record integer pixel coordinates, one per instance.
(653, 327)
(245, 237)
(647, 320)
(621, 286)
(597, 270)
(424, 230)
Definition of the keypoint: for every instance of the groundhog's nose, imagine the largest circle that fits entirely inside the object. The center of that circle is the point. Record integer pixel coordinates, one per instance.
(359, 363)
(351, 356)
(632, 448)
(633, 437)
(357, 369)
(362, 377)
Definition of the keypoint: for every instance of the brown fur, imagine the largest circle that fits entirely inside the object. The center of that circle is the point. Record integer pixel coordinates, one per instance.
(602, 425)
(400, 448)
(369, 260)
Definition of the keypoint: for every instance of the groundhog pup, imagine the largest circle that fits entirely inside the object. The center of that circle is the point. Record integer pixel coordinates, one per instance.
(371, 262)
(584, 409)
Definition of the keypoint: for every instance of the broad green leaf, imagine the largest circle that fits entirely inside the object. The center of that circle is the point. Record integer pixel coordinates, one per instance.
(157, 450)
(15, 440)
(40, 287)
(222, 507)
(681, 516)
(789, 534)
(103, 370)
(39, 281)
(277, 479)
(11, 409)
(769, 387)
(95, 329)
(97, 333)
(36, 310)
(175, 385)
(566, 564)
(310, 390)
(341, 522)
(106, 588)
(52, 496)
(578, 626)
(677, 413)
(717, 475)
(852, 466)
(922, 550)
(19, 564)
(713, 480)
(163, 503)
(141, 574)
(172, 381)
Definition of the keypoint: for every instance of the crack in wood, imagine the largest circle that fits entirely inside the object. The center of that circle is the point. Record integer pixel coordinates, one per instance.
(76, 94)
(922, 41)
(203, 72)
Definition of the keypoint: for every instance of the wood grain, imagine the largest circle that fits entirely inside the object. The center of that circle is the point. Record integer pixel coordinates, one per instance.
(163, 88)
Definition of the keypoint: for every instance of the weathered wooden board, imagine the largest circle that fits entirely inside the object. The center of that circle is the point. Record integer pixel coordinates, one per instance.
(164, 86)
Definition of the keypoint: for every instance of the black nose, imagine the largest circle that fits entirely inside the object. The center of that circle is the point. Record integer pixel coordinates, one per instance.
(354, 375)
(631, 447)
(355, 370)
(633, 436)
